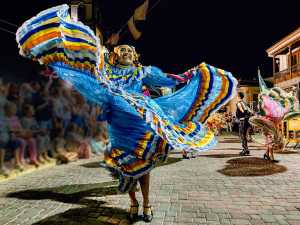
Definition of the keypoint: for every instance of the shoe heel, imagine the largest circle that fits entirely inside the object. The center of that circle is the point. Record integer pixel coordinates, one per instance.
(147, 214)
(133, 212)
(266, 157)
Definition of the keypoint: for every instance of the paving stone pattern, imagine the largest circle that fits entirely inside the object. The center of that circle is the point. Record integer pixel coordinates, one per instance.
(188, 192)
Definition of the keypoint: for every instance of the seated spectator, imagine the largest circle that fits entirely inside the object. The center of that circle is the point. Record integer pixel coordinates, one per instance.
(13, 96)
(23, 136)
(78, 111)
(99, 143)
(76, 142)
(36, 91)
(13, 93)
(66, 100)
(7, 143)
(41, 135)
(44, 110)
(3, 99)
(26, 92)
(60, 152)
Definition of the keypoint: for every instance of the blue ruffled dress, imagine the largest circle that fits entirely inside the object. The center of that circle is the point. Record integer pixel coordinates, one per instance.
(141, 130)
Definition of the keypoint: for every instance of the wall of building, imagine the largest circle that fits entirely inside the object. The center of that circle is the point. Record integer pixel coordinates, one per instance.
(283, 62)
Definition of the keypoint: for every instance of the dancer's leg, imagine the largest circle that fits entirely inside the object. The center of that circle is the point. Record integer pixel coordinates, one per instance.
(271, 154)
(267, 153)
(145, 183)
(147, 211)
(134, 205)
(132, 197)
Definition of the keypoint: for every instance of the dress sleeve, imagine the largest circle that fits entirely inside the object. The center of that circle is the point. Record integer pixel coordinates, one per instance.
(208, 89)
(156, 77)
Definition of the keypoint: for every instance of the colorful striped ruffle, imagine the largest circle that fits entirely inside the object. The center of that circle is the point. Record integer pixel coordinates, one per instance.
(52, 36)
(215, 89)
(150, 150)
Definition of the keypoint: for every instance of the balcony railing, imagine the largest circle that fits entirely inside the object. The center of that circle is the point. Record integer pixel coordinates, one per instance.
(282, 75)
(285, 74)
(296, 68)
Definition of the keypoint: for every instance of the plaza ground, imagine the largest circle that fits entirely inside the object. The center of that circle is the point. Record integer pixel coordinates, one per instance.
(182, 192)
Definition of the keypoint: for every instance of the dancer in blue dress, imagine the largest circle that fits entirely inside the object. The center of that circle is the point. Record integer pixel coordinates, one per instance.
(141, 130)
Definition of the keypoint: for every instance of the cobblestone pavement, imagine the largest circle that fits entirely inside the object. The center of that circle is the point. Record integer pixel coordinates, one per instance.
(182, 192)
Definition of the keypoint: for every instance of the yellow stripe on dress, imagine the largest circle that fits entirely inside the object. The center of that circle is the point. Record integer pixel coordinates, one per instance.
(79, 46)
(137, 165)
(202, 92)
(40, 36)
(142, 144)
(204, 141)
(77, 34)
(223, 93)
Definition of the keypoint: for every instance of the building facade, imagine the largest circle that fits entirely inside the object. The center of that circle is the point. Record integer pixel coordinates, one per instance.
(286, 61)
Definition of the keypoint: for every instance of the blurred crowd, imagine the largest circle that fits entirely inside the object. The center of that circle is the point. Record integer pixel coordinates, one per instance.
(47, 120)
(222, 122)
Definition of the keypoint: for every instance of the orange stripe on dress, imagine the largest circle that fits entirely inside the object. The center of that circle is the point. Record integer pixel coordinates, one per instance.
(36, 41)
(137, 165)
(223, 93)
(101, 60)
(77, 48)
(141, 111)
(202, 92)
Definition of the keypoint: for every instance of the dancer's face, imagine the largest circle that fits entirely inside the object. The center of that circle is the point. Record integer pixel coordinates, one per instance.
(125, 54)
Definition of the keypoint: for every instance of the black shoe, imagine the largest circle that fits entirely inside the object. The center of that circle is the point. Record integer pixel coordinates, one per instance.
(147, 214)
(245, 152)
(133, 212)
(185, 157)
(275, 161)
(266, 157)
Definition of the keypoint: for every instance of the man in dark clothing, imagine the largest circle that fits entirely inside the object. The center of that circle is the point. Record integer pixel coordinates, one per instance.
(242, 113)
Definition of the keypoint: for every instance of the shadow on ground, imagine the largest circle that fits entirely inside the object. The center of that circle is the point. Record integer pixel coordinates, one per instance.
(230, 141)
(227, 149)
(170, 160)
(92, 211)
(220, 155)
(287, 152)
(251, 166)
(92, 165)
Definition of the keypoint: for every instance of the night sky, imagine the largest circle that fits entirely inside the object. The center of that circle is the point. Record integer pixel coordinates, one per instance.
(181, 34)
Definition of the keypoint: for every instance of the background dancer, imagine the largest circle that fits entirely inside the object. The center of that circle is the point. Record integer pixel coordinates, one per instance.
(243, 113)
(275, 105)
